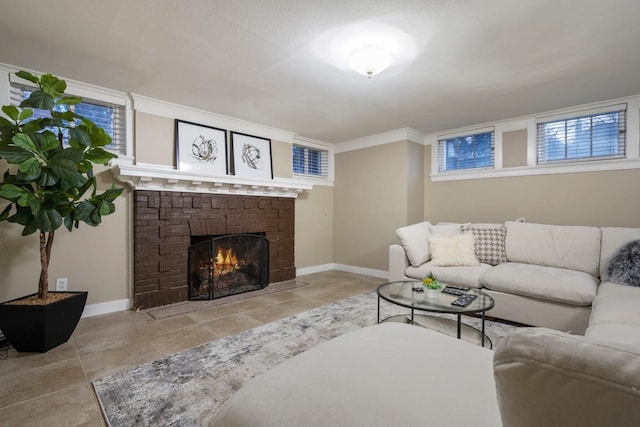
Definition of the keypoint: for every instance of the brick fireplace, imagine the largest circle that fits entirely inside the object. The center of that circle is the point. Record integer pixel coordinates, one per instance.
(165, 222)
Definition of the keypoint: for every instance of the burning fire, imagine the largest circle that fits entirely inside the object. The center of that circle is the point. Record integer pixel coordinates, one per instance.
(225, 259)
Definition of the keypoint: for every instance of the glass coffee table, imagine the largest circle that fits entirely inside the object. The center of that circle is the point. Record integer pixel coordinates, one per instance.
(409, 294)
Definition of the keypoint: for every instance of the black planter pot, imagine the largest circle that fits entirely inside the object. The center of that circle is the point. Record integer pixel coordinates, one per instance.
(39, 328)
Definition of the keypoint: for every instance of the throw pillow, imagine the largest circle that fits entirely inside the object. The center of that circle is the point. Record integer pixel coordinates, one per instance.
(449, 251)
(489, 243)
(624, 268)
(415, 241)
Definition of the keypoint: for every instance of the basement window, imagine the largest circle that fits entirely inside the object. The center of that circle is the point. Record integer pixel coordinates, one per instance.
(469, 151)
(310, 162)
(595, 135)
(109, 116)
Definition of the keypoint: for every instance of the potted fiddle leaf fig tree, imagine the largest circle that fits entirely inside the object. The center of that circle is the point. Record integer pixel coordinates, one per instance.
(49, 153)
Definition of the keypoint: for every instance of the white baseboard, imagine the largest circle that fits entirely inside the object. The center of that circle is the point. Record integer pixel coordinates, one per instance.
(342, 267)
(126, 304)
(314, 269)
(107, 307)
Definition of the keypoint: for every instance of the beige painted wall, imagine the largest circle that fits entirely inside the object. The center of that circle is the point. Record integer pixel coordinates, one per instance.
(154, 139)
(377, 190)
(93, 259)
(415, 183)
(314, 227)
(610, 198)
(595, 198)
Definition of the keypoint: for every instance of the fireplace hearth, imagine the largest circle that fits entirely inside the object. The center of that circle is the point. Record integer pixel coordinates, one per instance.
(220, 266)
(167, 223)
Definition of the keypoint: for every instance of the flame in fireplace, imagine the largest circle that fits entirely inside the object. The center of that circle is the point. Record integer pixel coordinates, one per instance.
(225, 259)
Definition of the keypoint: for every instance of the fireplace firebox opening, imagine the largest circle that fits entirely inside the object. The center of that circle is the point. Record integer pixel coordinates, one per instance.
(226, 265)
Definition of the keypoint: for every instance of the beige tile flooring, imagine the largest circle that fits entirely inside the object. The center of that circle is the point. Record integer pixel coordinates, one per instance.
(54, 388)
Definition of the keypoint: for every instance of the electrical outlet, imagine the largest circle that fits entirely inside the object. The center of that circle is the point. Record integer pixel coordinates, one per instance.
(61, 284)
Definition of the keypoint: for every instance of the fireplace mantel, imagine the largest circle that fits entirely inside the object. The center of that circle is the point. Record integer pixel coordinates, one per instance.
(156, 178)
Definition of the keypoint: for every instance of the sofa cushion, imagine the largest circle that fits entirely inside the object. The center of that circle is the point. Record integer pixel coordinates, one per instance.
(610, 288)
(549, 378)
(613, 238)
(538, 281)
(616, 309)
(624, 267)
(570, 247)
(614, 333)
(415, 241)
(489, 242)
(462, 276)
(457, 250)
(382, 375)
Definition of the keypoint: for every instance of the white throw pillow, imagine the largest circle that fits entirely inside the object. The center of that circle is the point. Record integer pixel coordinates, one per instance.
(456, 250)
(415, 241)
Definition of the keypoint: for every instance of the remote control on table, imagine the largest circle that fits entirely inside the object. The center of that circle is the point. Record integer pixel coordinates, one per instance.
(460, 288)
(464, 300)
(452, 291)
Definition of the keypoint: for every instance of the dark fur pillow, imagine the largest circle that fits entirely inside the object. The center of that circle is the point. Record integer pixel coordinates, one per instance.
(624, 267)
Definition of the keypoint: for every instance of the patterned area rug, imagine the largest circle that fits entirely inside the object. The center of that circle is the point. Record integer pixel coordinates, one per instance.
(185, 389)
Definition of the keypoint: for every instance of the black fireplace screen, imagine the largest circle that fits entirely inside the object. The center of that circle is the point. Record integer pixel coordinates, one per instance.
(228, 265)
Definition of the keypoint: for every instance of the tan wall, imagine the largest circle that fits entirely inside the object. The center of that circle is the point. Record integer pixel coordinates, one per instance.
(594, 198)
(154, 139)
(415, 183)
(514, 148)
(155, 144)
(372, 198)
(314, 227)
(93, 259)
(610, 198)
(282, 158)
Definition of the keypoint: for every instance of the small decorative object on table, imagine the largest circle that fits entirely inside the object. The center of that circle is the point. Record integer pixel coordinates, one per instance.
(431, 286)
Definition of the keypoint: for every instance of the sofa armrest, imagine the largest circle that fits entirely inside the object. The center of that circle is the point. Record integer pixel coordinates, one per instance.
(547, 377)
(398, 263)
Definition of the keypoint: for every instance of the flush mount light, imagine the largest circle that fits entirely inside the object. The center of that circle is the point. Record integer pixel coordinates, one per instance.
(370, 60)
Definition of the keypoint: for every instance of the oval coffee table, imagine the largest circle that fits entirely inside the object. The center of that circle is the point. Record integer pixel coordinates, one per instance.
(409, 294)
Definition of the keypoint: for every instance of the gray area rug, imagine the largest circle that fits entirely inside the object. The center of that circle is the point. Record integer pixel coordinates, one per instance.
(185, 389)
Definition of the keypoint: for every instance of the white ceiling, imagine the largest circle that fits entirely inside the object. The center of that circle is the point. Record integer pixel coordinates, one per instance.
(282, 63)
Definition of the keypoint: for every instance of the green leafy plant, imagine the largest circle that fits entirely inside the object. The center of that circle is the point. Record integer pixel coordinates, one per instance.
(47, 183)
(430, 282)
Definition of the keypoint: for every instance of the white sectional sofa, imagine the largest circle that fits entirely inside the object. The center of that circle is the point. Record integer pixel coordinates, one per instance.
(548, 275)
(396, 374)
(399, 374)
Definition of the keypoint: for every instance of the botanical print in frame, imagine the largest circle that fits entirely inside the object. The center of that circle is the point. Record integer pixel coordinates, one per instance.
(201, 149)
(251, 156)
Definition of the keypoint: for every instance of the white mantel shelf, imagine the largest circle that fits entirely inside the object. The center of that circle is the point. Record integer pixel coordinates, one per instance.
(140, 177)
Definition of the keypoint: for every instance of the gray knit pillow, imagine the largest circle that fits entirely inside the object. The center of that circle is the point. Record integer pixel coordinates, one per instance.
(624, 268)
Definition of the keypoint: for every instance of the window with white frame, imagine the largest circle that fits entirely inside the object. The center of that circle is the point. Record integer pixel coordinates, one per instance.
(109, 116)
(310, 162)
(595, 135)
(472, 151)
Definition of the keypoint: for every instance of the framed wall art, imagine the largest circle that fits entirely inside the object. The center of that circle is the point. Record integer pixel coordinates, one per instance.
(251, 156)
(201, 149)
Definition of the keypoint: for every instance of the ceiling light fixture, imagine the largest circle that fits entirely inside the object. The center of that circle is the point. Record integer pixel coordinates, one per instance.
(370, 60)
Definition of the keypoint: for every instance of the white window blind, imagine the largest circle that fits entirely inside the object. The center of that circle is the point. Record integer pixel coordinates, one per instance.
(472, 151)
(109, 116)
(310, 162)
(598, 135)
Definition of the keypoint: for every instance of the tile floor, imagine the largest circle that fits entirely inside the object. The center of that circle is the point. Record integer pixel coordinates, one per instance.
(54, 388)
